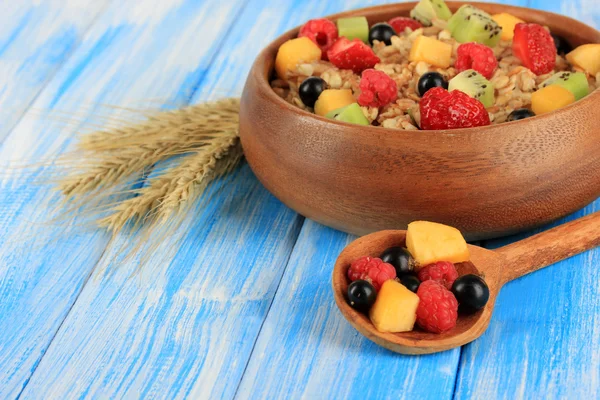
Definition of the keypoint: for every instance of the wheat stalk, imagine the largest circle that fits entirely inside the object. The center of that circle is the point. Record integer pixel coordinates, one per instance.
(112, 156)
(179, 185)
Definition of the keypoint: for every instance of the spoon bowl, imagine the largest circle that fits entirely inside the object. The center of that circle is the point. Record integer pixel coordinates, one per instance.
(497, 267)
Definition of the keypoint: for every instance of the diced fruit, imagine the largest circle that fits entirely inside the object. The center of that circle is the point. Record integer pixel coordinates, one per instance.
(551, 98)
(400, 259)
(430, 242)
(443, 272)
(332, 99)
(562, 45)
(575, 82)
(438, 309)
(401, 23)
(377, 89)
(507, 22)
(475, 85)
(586, 57)
(322, 32)
(478, 57)
(430, 80)
(411, 282)
(440, 109)
(534, 46)
(470, 24)
(395, 309)
(354, 28)
(521, 113)
(361, 295)
(354, 55)
(431, 51)
(426, 10)
(381, 32)
(471, 292)
(294, 52)
(372, 270)
(352, 114)
(310, 90)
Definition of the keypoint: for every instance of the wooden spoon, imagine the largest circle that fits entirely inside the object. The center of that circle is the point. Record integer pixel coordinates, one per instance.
(497, 267)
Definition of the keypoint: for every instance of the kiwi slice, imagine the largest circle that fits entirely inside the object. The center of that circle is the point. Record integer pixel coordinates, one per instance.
(426, 10)
(475, 85)
(352, 114)
(470, 24)
(575, 82)
(354, 28)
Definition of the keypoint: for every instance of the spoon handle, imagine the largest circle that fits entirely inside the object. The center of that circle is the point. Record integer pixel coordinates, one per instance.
(551, 246)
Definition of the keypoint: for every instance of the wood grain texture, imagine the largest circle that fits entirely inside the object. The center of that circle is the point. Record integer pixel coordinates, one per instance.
(136, 51)
(514, 164)
(202, 313)
(35, 39)
(188, 323)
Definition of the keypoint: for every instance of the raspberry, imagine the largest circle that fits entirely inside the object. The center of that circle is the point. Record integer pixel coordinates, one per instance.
(442, 272)
(476, 56)
(377, 89)
(534, 46)
(321, 31)
(438, 309)
(440, 109)
(401, 23)
(372, 270)
(354, 55)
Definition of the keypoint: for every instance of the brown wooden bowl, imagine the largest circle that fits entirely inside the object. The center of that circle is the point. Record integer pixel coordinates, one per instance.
(487, 182)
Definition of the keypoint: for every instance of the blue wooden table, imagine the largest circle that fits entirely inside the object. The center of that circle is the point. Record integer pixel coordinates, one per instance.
(239, 302)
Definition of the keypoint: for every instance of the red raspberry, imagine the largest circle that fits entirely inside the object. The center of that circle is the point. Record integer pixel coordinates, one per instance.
(534, 46)
(372, 270)
(476, 56)
(401, 23)
(321, 31)
(441, 109)
(377, 89)
(438, 309)
(442, 272)
(354, 55)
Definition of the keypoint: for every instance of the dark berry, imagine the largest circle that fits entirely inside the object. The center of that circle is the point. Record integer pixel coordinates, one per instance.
(411, 282)
(430, 80)
(562, 46)
(521, 113)
(382, 32)
(400, 259)
(472, 293)
(310, 90)
(361, 295)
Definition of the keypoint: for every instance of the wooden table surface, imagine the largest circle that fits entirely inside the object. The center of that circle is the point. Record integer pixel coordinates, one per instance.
(240, 303)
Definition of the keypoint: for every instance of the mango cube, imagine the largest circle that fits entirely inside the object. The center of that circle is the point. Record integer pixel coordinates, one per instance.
(508, 23)
(551, 98)
(332, 99)
(586, 57)
(395, 309)
(294, 52)
(429, 242)
(431, 51)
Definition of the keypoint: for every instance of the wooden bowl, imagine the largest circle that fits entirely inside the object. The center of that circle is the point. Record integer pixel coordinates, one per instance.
(487, 182)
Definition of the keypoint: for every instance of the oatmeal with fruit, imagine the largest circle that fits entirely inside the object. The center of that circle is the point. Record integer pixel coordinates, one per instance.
(434, 70)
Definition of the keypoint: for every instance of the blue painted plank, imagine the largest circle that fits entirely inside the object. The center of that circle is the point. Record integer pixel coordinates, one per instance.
(35, 39)
(544, 338)
(135, 51)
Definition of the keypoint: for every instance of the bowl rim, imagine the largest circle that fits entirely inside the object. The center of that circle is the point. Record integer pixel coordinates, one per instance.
(262, 74)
